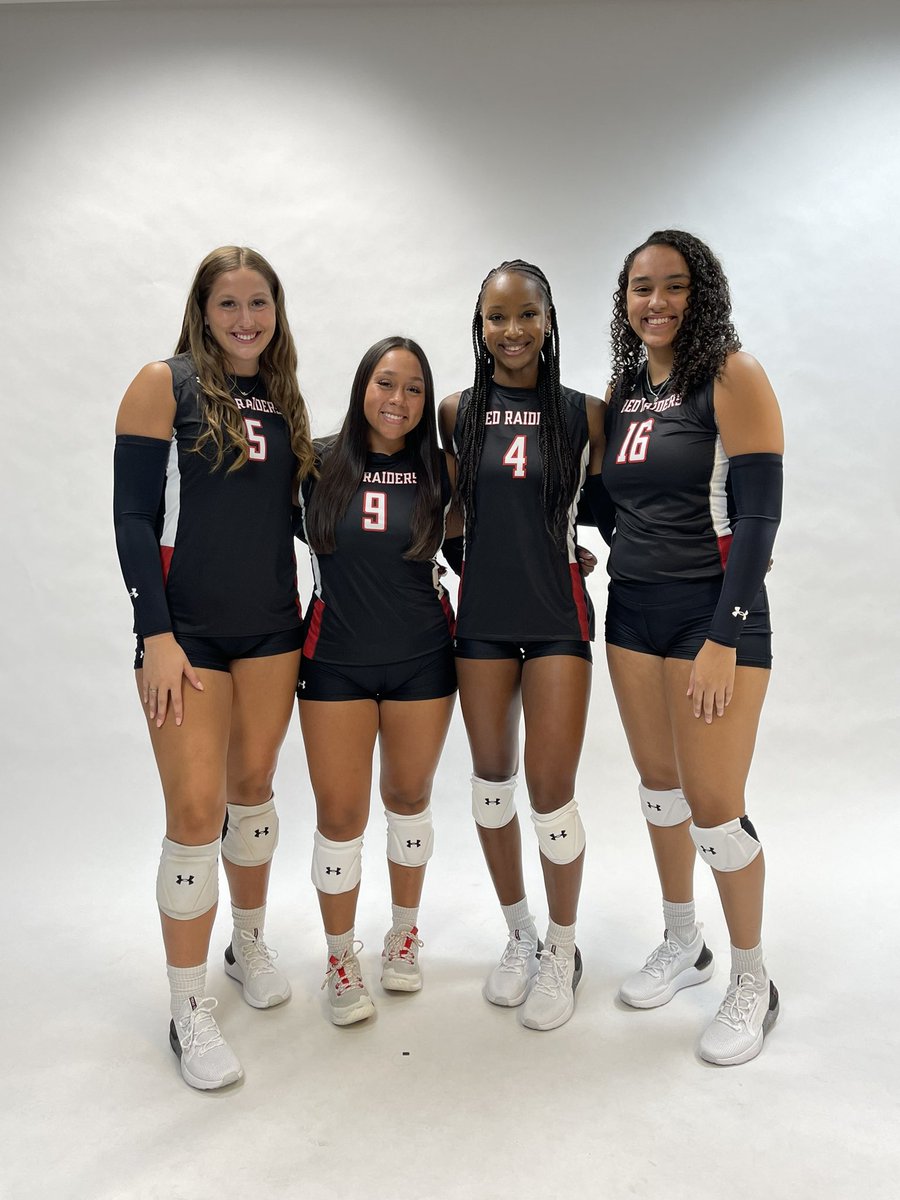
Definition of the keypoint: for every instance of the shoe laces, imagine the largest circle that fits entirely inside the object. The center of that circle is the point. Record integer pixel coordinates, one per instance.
(663, 956)
(344, 972)
(402, 943)
(200, 1029)
(552, 974)
(740, 1000)
(517, 952)
(256, 955)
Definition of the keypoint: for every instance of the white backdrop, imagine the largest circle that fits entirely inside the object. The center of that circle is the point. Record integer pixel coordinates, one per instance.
(384, 157)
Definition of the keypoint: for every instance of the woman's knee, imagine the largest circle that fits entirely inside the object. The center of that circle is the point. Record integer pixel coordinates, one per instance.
(195, 822)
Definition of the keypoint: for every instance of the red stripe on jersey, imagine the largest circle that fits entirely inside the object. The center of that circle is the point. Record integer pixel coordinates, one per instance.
(315, 628)
(724, 544)
(580, 603)
(165, 557)
(448, 613)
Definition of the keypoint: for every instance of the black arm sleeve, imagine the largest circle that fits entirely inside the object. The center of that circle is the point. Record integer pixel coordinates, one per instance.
(139, 474)
(452, 550)
(756, 484)
(595, 507)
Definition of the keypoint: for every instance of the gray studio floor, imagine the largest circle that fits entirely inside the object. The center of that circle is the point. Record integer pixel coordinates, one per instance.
(440, 1095)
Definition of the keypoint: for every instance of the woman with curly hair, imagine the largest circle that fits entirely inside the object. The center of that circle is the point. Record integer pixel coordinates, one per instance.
(377, 661)
(693, 455)
(210, 448)
(523, 443)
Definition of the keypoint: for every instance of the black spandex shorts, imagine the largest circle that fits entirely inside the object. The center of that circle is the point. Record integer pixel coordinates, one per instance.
(427, 677)
(523, 651)
(216, 653)
(671, 620)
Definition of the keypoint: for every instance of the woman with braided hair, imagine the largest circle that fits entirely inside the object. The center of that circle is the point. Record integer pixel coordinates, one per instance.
(693, 467)
(210, 447)
(523, 443)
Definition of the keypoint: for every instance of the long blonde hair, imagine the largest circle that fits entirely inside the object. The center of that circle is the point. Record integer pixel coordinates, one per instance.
(224, 427)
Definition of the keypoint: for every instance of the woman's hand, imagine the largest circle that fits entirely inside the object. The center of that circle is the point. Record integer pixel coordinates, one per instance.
(586, 559)
(164, 666)
(712, 680)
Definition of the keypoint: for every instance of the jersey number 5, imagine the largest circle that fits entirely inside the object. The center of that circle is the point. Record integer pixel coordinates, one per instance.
(375, 512)
(634, 446)
(256, 439)
(516, 456)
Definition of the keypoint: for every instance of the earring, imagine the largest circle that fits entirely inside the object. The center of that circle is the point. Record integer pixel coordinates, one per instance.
(547, 332)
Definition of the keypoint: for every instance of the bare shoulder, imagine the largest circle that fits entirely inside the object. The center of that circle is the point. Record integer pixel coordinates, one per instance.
(148, 406)
(596, 414)
(746, 408)
(447, 410)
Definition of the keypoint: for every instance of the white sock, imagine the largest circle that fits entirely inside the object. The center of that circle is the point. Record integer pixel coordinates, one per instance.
(520, 920)
(185, 982)
(404, 918)
(680, 921)
(749, 962)
(251, 920)
(560, 939)
(339, 942)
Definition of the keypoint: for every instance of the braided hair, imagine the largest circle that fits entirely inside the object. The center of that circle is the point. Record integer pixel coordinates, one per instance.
(560, 472)
(706, 336)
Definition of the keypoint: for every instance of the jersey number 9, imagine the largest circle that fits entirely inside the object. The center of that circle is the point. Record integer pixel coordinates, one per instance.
(375, 512)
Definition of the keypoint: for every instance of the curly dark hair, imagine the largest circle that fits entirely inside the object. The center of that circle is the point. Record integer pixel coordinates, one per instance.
(560, 470)
(706, 336)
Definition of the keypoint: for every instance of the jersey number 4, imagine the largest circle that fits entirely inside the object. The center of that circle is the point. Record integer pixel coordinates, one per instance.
(375, 512)
(516, 456)
(256, 439)
(634, 445)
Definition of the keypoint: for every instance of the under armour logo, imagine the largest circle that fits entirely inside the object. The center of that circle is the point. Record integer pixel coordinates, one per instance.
(133, 593)
(707, 849)
(261, 832)
(658, 807)
(489, 801)
(332, 870)
(184, 879)
(737, 611)
(409, 844)
(554, 836)
(302, 685)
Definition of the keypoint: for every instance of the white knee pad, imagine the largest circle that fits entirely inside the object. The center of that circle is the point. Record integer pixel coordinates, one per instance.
(664, 808)
(336, 866)
(728, 847)
(187, 882)
(560, 834)
(410, 839)
(493, 804)
(252, 833)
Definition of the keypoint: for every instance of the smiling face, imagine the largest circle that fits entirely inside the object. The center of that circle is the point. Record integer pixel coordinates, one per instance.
(516, 319)
(394, 400)
(659, 288)
(240, 314)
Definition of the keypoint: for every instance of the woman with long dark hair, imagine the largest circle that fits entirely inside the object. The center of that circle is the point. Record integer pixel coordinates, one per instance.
(523, 444)
(693, 466)
(377, 657)
(210, 446)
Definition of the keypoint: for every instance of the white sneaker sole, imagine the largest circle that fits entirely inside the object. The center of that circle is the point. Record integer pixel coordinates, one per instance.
(203, 1085)
(392, 981)
(359, 1011)
(689, 978)
(754, 1049)
(233, 970)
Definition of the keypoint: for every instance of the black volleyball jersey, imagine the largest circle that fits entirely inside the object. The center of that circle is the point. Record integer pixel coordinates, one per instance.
(372, 605)
(516, 584)
(667, 474)
(226, 543)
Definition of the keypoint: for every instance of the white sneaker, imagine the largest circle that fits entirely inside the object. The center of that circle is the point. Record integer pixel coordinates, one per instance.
(348, 999)
(671, 967)
(400, 971)
(507, 985)
(745, 1016)
(551, 1001)
(207, 1061)
(252, 963)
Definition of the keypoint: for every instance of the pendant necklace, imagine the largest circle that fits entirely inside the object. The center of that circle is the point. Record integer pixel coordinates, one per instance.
(250, 390)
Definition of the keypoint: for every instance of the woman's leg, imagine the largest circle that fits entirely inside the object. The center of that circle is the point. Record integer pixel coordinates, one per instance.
(191, 759)
(713, 764)
(681, 959)
(339, 737)
(262, 702)
(411, 738)
(555, 694)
